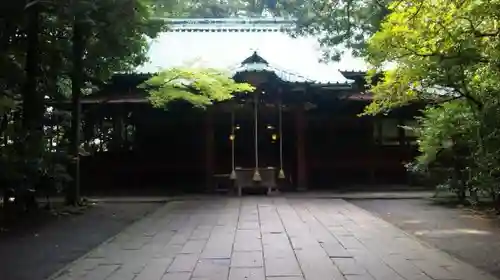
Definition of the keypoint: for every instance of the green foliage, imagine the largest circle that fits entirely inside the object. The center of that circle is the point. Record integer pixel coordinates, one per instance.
(451, 123)
(115, 34)
(445, 53)
(7, 104)
(436, 44)
(18, 170)
(226, 8)
(116, 40)
(200, 87)
(207, 8)
(340, 25)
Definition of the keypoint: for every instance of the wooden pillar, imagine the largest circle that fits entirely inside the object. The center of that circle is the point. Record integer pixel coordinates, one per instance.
(300, 123)
(118, 125)
(376, 149)
(209, 150)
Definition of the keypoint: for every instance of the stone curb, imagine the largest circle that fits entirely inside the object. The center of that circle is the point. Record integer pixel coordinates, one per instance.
(360, 195)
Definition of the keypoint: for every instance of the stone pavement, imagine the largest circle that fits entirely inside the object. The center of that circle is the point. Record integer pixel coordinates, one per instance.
(265, 238)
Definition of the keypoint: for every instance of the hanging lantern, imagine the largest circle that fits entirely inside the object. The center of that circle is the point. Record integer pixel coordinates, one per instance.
(232, 176)
(231, 137)
(256, 176)
(281, 174)
(274, 136)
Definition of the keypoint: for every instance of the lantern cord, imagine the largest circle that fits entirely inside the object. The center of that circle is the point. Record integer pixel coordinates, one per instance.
(233, 138)
(256, 175)
(281, 174)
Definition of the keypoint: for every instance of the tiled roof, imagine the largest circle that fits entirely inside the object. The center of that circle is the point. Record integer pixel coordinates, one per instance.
(225, 43)
(255, 63)
(229, 25)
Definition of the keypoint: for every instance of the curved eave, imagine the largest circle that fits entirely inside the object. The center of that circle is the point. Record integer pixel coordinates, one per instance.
(289, 77)
(352, 72)
(321, 85)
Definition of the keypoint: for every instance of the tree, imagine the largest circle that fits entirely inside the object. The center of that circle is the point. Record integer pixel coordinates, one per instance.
(204, 8)
(39, 53)
(228, 8)
(339, 25)
(123, 53)
(198, 86)
(445, 51)
(438, 47)
(33, 108)
(78, 42)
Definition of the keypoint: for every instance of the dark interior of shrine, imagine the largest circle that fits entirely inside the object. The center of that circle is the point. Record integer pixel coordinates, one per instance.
(135, 146)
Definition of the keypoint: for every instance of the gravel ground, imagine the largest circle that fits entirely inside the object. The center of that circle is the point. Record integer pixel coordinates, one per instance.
(467, 235)
(37, 252)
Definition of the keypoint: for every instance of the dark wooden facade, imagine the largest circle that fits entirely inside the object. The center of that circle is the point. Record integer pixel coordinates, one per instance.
(325, 143)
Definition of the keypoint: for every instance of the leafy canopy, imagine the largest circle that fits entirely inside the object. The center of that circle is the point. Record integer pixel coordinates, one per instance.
(445, 53)
(224, 8)
(339, 25)
(115, 32)
(441, 48)
(37, 62)
(199, 86)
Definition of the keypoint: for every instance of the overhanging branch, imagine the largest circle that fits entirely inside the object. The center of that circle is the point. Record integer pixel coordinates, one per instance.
(478, 33)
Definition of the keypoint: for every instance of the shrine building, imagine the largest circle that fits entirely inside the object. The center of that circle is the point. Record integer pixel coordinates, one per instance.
(302, 121)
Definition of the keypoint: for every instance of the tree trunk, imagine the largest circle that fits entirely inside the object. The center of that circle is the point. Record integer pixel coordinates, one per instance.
(458, 178)
(496, 201)
(459, 185)
(73, 194)
(33, 101)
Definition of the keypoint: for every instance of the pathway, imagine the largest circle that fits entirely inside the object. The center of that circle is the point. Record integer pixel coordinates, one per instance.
(466, 234)
(265, 238)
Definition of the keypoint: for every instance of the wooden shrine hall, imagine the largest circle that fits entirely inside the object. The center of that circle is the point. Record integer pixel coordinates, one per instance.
(299, 127)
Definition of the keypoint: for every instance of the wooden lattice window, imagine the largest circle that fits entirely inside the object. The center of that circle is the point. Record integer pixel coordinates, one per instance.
(390, 132)
(387, 132)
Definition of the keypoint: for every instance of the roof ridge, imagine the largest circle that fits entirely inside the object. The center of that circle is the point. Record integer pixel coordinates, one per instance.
(229, 24)
(209, 21)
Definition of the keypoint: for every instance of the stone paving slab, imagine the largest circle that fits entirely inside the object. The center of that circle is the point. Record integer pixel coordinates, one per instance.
(265, 238)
